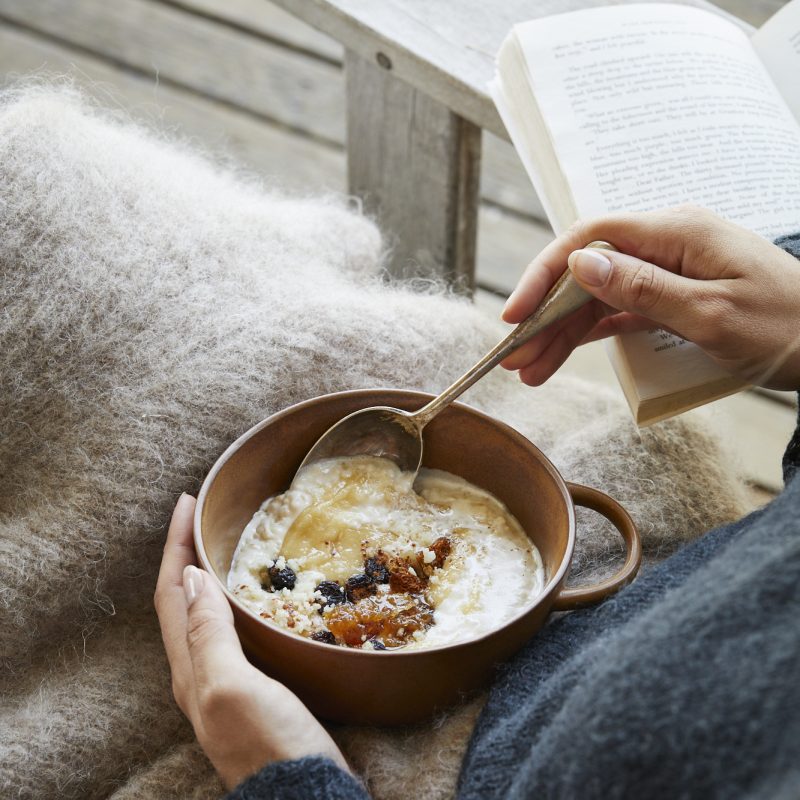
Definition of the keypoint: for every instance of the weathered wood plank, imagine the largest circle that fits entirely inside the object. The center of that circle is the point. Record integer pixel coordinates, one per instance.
(168, 39)
(278, 156)
(506, 244)
(504, 180)
(311, 96)
(416, 165)
(180, 48)
(756, 12)
(263, 17)
(268, 20)
(444, 49)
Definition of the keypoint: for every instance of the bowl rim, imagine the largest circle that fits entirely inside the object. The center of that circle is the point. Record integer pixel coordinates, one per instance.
(549, 588)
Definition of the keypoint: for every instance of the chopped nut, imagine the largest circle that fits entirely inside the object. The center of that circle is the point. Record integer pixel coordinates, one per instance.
(401, 580)
(441, 548)
(431, 558)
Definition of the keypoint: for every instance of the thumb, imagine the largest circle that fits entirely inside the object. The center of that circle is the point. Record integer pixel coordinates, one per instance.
(210, 635)
(629, 284)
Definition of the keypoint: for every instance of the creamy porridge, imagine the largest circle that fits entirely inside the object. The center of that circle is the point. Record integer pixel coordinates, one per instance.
(354, 554)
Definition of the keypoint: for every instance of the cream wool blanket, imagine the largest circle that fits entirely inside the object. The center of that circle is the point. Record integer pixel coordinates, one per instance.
(154, 306)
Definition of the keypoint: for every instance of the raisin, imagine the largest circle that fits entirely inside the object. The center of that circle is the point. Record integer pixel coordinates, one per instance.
(281, 578)
(324, 636)
(376, 569)
(332, 592)
(359, 586)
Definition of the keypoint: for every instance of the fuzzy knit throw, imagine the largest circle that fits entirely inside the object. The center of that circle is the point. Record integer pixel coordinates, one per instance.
(153, 306)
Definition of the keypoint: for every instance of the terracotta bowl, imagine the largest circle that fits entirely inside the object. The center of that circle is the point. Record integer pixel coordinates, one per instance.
(397, 687)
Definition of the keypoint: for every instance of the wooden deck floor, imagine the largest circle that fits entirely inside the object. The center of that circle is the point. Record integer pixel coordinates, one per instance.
(247, 82)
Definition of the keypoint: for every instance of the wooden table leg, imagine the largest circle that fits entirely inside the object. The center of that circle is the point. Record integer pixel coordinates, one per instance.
(416, 165)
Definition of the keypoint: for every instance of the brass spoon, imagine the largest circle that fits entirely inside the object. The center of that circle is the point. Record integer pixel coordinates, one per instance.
(395, 434)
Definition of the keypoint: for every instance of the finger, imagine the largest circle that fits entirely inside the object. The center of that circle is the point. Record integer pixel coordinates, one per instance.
(537, 279)
(623, 322)
(559, 349)
(169, 599)
(531, 350)
(211, 639)
(179, 545)
(550, 264)
(630, 284)
(659, 236)
(577, 325)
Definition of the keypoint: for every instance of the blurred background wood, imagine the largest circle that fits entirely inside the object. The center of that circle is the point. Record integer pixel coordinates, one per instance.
(415, 165)
(254, 86)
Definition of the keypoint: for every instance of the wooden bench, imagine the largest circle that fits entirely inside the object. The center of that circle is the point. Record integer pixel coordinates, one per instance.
(417, 101)
(250, 82)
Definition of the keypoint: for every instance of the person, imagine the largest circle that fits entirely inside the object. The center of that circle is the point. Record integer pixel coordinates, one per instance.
(685, 684)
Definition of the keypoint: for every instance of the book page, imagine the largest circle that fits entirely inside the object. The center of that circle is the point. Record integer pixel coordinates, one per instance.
(662, 360)
(655, 105)
(777, 43)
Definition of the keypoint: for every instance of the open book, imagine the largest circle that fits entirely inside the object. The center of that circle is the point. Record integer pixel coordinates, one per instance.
(638, 107)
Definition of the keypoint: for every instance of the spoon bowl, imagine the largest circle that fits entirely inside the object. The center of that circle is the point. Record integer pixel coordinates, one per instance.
(378, 431)
(395, 434)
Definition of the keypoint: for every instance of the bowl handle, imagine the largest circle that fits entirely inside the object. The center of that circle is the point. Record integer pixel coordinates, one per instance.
(569, 599)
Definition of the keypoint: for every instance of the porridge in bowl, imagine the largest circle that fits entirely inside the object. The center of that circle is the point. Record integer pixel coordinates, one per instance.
(358, 554)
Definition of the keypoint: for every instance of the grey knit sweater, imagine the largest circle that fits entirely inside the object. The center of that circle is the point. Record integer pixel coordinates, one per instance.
(684, 685)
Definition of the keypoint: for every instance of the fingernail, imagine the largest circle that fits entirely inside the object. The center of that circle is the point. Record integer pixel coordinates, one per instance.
(192, 583)
(589, 266)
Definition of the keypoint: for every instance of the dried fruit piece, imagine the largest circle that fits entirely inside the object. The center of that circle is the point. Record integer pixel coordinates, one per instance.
(390, 618)
(359, 586)
(274, 579)
(282, 578)
(332, 593)
(376, 567)
(323, 636)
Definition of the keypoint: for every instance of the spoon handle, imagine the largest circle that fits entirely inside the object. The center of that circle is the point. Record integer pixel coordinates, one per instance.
(564, 297)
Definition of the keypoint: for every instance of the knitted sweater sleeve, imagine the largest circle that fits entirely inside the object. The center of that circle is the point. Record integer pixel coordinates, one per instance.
(305, 778)
(791, 458)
